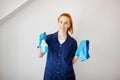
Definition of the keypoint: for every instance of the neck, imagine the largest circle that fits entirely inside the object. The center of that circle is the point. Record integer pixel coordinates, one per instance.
(62, 35)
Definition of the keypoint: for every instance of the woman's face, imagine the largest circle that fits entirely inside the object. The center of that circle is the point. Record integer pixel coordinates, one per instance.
(64, 23)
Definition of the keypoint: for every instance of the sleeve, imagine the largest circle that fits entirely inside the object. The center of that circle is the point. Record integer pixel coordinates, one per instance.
(48, 39)
(75, 47)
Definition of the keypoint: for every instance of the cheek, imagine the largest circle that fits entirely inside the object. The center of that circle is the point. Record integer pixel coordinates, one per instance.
(59, 24)
(67, 26)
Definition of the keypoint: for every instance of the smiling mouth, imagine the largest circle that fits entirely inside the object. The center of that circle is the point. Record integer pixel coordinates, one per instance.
(62, 27)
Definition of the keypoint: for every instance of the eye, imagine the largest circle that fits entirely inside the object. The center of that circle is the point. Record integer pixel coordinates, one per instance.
(60, 21)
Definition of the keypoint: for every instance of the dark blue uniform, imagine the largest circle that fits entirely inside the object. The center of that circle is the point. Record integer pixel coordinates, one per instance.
(59, 58)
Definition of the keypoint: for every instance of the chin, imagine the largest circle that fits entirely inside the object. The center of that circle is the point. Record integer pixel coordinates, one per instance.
(62, 29)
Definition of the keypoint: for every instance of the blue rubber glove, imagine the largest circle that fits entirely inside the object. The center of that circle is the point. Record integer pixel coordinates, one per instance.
(83, 50)
(42, 43)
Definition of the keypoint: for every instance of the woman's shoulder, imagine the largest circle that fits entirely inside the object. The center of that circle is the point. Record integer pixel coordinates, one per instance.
(72, 38)
(50, 35)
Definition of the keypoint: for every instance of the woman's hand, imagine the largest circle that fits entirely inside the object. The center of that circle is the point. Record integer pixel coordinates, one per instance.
(42, 47)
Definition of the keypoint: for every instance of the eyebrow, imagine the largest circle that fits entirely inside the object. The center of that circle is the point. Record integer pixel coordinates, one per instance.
(65, 21)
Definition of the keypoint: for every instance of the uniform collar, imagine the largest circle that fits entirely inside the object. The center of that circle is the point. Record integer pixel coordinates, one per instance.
(56, 38)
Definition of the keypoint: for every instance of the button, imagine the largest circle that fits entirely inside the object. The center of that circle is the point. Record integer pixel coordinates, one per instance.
(59, 55)
(58, 63)
(60, 45)
(58, 72)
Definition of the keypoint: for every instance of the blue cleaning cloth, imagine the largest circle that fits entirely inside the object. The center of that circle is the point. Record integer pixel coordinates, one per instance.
(83, 50)
(42, 36)
(42, 43)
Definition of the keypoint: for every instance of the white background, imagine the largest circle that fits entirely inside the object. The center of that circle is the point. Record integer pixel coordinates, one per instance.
(96, 20)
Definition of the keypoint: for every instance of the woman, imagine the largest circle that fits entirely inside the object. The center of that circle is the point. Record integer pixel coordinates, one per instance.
(61, 52)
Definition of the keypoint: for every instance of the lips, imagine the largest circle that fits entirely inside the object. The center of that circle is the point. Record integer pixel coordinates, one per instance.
(62, 27)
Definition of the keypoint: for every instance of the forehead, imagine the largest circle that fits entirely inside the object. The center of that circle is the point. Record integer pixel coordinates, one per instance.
(65, 18)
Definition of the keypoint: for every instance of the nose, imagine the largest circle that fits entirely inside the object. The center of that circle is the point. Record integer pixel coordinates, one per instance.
(63, 24)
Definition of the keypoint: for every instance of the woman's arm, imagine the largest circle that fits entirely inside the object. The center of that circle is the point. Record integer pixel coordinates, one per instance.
(75, 58)
(40, 55)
